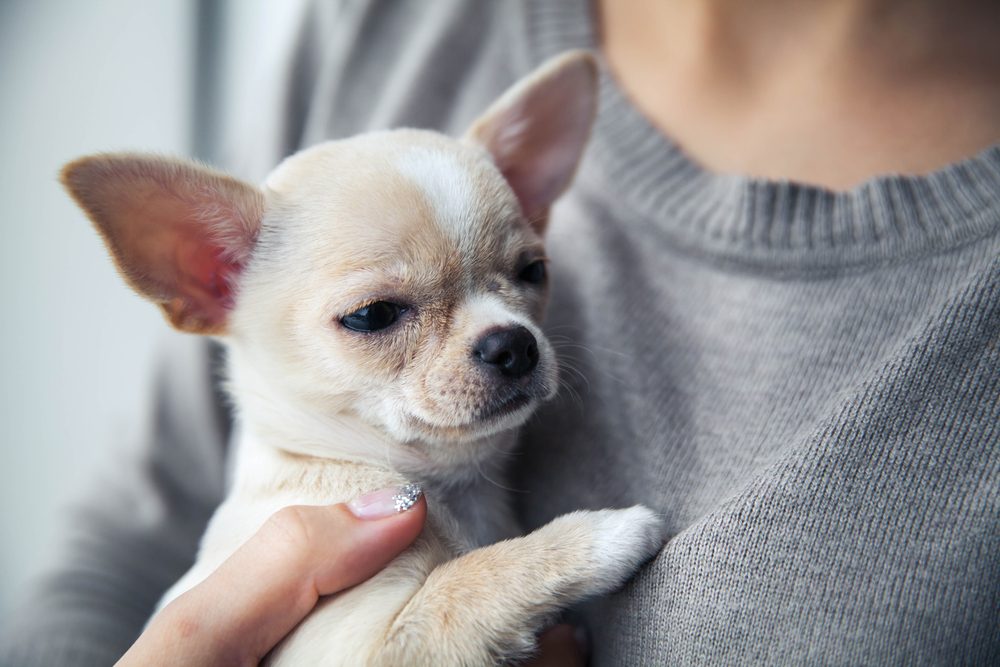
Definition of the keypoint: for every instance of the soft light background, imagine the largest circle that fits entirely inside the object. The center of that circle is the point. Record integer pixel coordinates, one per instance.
(77, 347)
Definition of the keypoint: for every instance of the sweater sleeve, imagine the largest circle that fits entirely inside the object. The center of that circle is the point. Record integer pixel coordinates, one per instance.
(136, 530)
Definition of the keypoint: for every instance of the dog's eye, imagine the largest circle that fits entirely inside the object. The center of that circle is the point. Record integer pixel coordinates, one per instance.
(533, 273)
(373, 317)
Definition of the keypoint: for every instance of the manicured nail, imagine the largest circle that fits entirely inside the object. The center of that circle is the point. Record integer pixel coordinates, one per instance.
(380, 504)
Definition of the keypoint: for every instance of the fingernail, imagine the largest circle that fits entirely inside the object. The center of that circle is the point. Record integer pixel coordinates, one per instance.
(386, 502)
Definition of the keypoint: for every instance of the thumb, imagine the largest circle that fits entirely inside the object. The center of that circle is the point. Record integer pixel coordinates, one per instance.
(255, 598)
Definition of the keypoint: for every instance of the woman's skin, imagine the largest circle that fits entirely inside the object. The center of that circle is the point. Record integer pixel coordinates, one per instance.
(826, 92)
(262, 591)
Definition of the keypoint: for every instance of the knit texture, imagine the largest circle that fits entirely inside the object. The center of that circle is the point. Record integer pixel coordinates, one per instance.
(806, 384)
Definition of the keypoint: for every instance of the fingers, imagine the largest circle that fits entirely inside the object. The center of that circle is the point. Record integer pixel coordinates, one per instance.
(559, 646)
(269, 584)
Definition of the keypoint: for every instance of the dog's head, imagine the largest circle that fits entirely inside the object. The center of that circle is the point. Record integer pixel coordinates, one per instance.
(398, 277)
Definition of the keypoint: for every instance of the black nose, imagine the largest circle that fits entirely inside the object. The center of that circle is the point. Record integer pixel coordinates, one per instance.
(513, 351)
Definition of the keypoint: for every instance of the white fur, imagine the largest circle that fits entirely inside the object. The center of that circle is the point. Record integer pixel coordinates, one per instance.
(447, 186)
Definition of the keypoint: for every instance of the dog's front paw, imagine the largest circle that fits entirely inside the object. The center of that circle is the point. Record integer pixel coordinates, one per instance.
(624, 540)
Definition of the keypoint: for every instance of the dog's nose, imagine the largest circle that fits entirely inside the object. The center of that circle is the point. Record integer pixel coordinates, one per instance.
(513, 351)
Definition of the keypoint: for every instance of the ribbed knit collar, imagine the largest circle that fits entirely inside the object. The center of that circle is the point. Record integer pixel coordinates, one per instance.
(774, 224)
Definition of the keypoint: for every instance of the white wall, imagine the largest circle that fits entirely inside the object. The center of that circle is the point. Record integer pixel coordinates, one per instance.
(75, 344)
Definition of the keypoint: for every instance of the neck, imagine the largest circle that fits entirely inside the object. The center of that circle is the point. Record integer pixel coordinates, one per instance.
(734, 35)
(829, 92)
(269, 418)
(469, 501)
(337, 437)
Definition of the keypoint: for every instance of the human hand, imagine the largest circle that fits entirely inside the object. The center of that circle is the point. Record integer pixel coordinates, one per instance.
(257, 596)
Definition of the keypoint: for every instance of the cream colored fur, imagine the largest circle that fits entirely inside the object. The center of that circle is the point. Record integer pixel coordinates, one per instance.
(326, 414)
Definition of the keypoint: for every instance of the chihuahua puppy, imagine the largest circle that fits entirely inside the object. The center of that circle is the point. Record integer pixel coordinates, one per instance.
(379, 298)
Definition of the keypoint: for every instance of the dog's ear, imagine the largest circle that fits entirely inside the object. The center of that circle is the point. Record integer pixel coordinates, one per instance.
(178, 231)
(537, 130)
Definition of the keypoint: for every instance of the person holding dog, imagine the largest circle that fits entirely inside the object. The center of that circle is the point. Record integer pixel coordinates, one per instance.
(778, 284)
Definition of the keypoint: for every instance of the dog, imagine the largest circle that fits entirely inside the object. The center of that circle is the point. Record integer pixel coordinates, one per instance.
(380, 298)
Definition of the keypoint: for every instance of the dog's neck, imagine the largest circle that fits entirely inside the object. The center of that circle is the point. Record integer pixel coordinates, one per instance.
(468, 500)
(468, 506)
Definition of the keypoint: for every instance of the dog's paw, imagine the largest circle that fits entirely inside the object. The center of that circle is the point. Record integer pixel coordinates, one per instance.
(624, 540)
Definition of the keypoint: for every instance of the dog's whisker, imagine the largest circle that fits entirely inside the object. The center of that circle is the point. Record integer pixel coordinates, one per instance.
(591, 349)
(573, 372)
(573, 395)
(482, 473)
(568, 363)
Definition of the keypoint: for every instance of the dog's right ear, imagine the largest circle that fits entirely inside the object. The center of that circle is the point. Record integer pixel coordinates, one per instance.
(178, 231)
(537, 130)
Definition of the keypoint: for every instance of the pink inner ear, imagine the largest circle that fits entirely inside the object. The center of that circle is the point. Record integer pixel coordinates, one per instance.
(206, 280)
(537, 131)
(179, 231)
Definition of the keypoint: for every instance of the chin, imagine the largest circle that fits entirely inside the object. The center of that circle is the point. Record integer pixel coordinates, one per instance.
(489, 421)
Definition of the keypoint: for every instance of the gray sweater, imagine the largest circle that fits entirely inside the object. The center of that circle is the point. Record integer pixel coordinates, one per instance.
(806, 384)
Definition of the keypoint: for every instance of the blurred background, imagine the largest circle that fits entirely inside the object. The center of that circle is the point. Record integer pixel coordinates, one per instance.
(77, 347)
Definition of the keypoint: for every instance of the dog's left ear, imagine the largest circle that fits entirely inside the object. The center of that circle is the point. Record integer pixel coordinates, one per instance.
(537, 130)
(179, 232)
